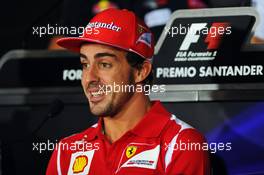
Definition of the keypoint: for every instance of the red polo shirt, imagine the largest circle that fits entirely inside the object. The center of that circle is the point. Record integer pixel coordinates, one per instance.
(158, 145)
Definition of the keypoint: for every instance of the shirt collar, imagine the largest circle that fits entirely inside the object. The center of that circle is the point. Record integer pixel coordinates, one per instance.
(92, 132)
(151, 125)
(153, 122)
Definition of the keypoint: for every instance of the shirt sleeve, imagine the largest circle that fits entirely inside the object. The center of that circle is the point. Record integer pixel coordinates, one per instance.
(53, 167)
(185, 155)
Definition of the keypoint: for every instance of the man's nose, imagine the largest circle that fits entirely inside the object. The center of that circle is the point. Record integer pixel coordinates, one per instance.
(91, 74)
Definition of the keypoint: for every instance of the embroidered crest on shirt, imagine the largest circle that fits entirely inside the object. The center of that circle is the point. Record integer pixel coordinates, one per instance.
(131, 151)
(79, 164)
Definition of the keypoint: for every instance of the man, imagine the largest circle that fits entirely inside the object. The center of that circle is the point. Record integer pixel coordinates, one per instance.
(133, 135)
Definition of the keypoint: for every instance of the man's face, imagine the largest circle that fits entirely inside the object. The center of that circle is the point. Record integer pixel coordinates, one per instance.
(104, 66)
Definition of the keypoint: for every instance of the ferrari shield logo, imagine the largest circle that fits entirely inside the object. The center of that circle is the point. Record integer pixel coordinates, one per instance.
(130, 151)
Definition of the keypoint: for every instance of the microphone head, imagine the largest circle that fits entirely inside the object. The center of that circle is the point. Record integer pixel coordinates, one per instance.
(55, 108)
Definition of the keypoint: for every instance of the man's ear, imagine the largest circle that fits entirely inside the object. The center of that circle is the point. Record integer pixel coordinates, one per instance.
(141, 74)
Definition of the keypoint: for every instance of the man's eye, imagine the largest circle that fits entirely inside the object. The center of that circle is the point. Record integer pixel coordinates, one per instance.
(105, 65)
(85, 65)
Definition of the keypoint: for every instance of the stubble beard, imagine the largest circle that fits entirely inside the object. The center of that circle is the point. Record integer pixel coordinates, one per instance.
(114, 102)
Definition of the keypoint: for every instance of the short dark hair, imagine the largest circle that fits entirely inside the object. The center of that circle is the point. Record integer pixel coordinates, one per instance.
(136, 61)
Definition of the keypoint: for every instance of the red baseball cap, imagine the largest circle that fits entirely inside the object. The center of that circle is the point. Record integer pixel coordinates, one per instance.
(117, 28)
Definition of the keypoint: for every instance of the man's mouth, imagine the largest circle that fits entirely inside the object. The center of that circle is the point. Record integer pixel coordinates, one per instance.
(96, 96)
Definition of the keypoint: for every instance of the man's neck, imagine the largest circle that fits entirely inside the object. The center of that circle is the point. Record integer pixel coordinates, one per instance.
(129, 116)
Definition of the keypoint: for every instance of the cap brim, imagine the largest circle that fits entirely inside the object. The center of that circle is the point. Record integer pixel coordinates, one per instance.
(74, 44)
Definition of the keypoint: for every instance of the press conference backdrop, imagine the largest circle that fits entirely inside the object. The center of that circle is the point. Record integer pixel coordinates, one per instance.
(223, 73)
(229, 109)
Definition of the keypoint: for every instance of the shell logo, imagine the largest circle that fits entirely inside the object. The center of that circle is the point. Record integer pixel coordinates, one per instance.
(79, 164)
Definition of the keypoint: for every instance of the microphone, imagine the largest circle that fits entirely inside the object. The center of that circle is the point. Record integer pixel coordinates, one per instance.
(55, 109)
